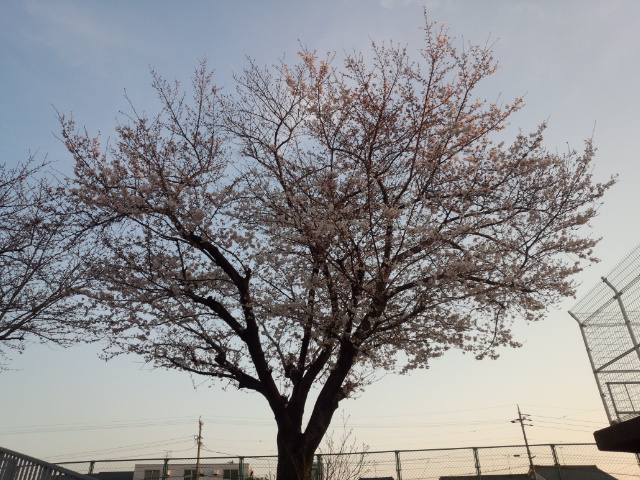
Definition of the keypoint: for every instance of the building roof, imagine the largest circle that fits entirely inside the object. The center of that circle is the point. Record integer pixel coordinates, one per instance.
(547, 472)
(572, 472)
(113, 475)
(513, 476)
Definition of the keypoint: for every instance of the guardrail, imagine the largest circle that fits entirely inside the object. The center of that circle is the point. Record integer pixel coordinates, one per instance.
(17, 466)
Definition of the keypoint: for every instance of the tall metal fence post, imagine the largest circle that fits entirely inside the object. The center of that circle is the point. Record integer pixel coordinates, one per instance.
(603, 396)
(556, 462)
(165, 469)
(398, 466)
(91, 464)
(241, 468)
(477, 460)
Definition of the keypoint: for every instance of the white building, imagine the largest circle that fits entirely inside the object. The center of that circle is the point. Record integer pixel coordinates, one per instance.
(187, 471)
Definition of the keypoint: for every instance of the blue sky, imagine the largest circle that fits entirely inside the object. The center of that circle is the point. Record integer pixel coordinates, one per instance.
(576, 63)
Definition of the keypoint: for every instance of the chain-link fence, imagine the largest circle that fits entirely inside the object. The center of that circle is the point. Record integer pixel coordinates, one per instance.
(551, 462)
(609, 319)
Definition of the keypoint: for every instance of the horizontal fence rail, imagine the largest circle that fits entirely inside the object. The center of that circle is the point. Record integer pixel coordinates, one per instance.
(16, 466)
(551, 462)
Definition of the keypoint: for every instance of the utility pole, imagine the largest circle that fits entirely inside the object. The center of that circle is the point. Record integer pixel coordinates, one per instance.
(521, 419)
(199, 438)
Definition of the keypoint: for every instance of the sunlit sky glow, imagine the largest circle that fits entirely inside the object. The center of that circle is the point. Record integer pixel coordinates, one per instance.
(577, 65)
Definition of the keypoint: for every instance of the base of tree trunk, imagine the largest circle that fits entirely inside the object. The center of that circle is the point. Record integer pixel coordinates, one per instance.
(294, 461)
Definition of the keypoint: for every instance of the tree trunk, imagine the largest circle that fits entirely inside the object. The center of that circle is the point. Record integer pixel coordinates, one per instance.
(295, 457)
(296, 449)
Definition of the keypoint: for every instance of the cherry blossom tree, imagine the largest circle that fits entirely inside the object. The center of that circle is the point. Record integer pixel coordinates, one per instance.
(327, 221)
(39, 273)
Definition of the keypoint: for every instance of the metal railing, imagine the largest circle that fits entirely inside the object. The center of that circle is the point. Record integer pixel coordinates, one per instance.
(16, 466)
(481, 463)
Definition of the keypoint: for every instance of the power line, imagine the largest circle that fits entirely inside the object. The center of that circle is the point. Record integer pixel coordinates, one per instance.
(568, 429)
(561, 408)
(220, 453)
(246, 421)
(141, 446)
(574, 420)
(118, 424)
(438, 413)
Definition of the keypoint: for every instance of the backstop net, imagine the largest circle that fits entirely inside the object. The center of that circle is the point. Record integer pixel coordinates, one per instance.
(609, 318)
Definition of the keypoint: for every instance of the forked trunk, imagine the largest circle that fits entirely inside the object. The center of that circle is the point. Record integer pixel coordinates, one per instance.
(296, 449)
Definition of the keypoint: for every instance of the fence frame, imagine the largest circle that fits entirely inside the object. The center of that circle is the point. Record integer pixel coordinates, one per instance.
(394, 458)
(606, 308)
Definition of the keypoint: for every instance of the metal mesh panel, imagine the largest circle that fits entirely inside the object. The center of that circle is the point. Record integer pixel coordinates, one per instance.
(434, 464)
(262, 468)
(503, 461)
(344, 466)
(380, 464)
(609, 317)
(80, 467)
(622, 466)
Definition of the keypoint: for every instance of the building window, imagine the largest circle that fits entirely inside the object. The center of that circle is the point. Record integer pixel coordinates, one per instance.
(152, 475)
(189, 475)
(228, 474)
